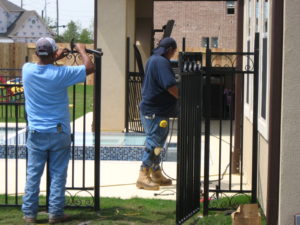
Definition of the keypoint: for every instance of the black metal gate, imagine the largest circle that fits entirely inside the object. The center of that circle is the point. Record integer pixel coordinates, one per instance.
(201, 89)
(134, 81)
(85, 149)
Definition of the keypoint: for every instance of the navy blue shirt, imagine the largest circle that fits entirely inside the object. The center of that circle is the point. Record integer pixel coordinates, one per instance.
(159, 77)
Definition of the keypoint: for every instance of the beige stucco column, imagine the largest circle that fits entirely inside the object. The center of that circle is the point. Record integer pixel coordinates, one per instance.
(116, 21)
(289, 196)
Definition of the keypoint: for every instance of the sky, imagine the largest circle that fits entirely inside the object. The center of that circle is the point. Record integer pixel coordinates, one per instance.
(80, 11)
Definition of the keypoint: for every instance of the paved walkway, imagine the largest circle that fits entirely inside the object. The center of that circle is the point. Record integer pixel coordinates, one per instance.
(118, 177)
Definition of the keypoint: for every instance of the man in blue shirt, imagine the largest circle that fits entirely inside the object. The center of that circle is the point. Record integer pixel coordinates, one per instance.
(47, 107)
(159, 98)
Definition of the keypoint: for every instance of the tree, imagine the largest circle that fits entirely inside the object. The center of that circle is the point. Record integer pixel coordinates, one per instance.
(85, 36)
(72, 31)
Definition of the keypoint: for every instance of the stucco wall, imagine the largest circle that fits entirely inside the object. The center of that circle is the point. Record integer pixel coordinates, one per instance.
(112, 40)
(144, 26)
(289, 197)
(262, 163)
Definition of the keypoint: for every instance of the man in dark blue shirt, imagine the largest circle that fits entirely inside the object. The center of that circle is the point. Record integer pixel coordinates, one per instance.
(159, 99)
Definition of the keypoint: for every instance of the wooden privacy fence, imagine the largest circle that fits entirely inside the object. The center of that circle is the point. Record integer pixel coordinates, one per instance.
(14, 55)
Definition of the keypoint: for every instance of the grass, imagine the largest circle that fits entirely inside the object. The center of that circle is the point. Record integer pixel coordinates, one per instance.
(116, 211)
(77, 105)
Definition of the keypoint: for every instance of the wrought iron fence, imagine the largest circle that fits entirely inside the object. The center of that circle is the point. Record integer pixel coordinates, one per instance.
(85, 145)
(219, 72)
(134, 81)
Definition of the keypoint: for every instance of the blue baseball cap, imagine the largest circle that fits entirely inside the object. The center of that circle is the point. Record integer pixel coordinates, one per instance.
(163, 45)
(45, 46)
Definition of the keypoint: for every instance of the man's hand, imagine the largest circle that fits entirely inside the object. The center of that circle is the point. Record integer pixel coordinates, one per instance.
(80, 48)
(61, 53)
(89, 66)
(173, 91)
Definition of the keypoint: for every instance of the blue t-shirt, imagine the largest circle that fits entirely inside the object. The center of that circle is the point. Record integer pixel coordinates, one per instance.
(159, 77)
(46, 95)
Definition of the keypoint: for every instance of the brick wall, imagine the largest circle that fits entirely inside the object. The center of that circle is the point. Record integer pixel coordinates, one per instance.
(197, 19)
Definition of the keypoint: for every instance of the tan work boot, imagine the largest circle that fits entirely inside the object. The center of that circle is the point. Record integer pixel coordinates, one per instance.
(159, 178)
(145, 182)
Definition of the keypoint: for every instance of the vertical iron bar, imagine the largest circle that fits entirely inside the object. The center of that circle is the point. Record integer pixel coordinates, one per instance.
(84, 134)
(221, 89)
(127, 85)
(255, 119)
(73, 136)
(48, 181)
(6, 154)
(16, 153)
(97, 102)
(207, 130)
(242, 136)
(231, 114)
(183, 44)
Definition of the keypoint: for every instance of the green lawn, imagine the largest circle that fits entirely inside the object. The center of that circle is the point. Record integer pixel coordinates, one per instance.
(77, 105)
(123, 212)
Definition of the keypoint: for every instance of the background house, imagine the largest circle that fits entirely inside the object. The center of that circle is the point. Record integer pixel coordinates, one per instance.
(18, 25)
(197, 21)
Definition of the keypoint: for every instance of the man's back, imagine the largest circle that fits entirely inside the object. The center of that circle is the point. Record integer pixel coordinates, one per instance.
(159, 77)
(46, 94)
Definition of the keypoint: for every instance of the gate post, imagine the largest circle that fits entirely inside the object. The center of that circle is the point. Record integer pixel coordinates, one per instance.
(207, 130)
(255, 119)
(97, 124)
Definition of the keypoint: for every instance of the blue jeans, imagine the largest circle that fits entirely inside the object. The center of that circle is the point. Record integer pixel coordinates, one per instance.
(156, 136)
(54, 147)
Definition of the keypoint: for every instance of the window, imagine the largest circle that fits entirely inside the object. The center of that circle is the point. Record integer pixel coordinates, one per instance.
(264, 75)
(266, 15)
(214, 42)
(205, 42)
(230, 7)
(257, 15)
(248, 81)
(263, 110)
(249, 17)
(247, 76)
(263, 102)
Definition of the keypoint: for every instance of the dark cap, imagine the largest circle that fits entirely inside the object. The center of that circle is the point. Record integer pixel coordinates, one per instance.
(45, 46)
(163, 45)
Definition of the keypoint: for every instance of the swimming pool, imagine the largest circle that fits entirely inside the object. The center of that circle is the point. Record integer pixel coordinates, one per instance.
(114, 146)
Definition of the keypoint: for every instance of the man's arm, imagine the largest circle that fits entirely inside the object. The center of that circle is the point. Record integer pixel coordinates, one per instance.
(173, 91)
(90, 67)
(61, 53)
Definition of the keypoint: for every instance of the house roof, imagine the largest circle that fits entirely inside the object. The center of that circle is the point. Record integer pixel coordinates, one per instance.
(20, 22)
(10, 7)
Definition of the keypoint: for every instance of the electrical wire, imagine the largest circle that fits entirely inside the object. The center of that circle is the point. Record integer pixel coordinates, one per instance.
(166, 151)
(166, 146)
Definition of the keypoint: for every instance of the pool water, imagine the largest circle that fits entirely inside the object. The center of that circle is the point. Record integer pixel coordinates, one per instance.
(111, 139)
(107, 139)
(11, 132)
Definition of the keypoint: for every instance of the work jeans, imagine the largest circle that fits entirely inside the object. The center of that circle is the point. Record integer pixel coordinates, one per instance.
(156, 136)
(54, 147)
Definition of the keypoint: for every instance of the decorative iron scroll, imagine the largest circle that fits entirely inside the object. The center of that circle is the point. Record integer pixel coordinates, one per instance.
(74, 199)
(232, 60)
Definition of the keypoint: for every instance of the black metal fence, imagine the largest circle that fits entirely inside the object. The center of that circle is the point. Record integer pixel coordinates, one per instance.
(85, 145)
(189, 137)
(134, 81)
(217, 80)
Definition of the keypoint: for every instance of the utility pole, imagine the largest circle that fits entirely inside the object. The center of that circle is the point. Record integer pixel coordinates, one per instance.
(46, 10)
(57, 19)
(22, 4)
